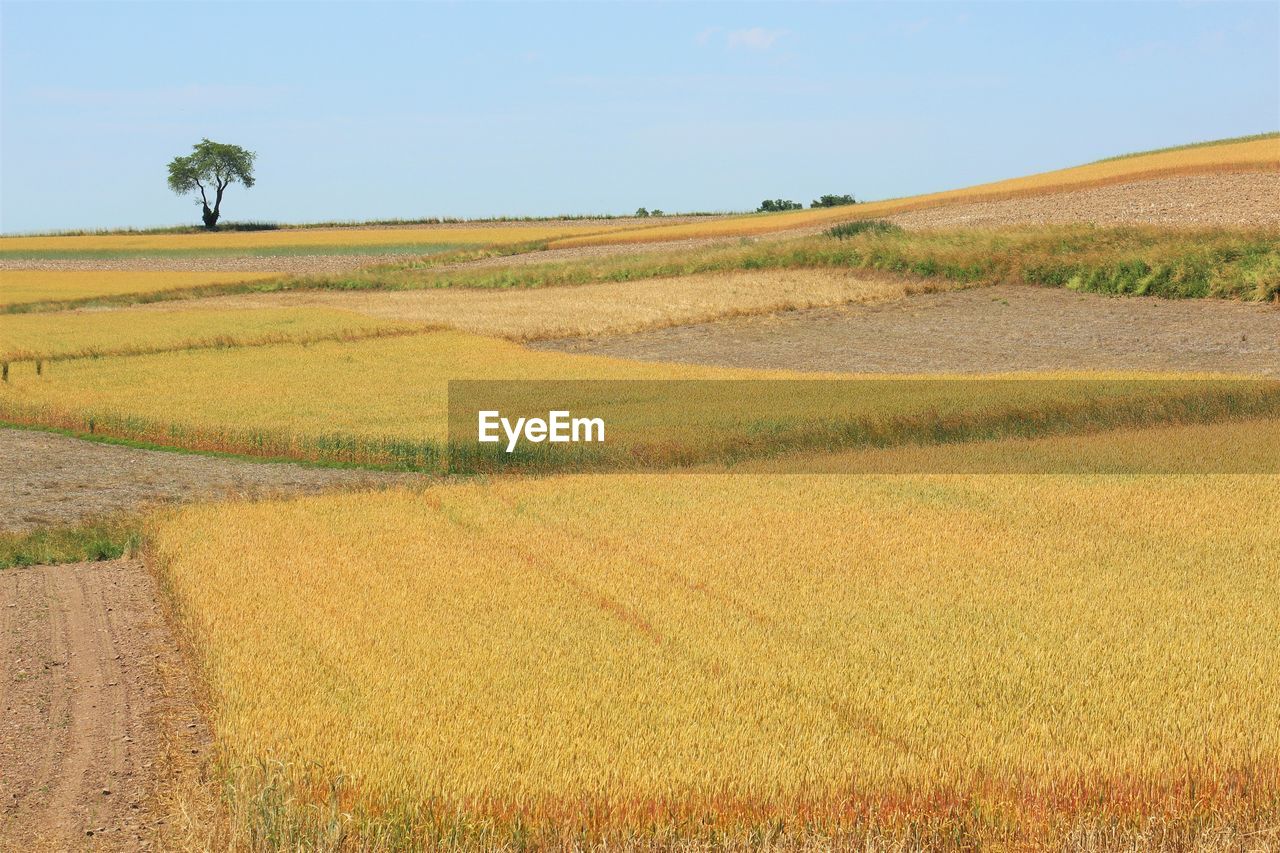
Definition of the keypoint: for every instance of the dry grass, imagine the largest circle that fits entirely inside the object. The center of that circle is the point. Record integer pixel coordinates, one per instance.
(18, 287)
(80, 334)
(1237, 156)
(934, 661)
(608, 308)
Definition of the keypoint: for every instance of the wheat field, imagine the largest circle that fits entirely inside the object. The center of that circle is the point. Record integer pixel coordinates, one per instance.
(25, 286)
(379, 401)
(937, 661)
(381, 397)
(78, 334)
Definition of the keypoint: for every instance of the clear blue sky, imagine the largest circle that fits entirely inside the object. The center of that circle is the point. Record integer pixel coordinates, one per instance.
(363, 110)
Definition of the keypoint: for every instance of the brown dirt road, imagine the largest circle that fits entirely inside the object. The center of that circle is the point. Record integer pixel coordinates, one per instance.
(99, 711)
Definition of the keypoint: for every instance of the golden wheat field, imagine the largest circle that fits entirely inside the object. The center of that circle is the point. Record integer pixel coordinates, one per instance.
(1234, 446)
(1243, 156)
(384, 399)
(930, 660)
(380, 390)
(309, 238)
(23, 286)
(101, 333)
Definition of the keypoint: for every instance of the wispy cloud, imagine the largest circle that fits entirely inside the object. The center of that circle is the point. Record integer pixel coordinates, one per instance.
(755, 38)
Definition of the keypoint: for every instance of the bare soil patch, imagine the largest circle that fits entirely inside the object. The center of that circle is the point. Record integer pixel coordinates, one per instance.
(100, 717)
(52, 479)
(982, 330)
(1227, 199)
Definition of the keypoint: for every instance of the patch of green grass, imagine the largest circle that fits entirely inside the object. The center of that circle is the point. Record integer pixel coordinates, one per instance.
(75, 543)
(1239, 264)
(861, 226)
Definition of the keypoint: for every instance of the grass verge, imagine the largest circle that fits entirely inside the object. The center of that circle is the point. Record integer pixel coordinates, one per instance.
(1140, 261)
(1242, 264)
(74, 543)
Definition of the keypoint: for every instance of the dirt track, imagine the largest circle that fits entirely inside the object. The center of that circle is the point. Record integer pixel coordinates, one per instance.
(98, 709)
(981, 330)
(55, 479)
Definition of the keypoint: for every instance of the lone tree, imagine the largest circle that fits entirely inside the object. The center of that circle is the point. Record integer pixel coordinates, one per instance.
(211, 166)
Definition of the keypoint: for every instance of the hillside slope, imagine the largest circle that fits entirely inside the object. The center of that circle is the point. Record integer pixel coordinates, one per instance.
(1259, 155)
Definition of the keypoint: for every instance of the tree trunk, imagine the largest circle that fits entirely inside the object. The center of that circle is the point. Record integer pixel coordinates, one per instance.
(210, 217)
(217, 203)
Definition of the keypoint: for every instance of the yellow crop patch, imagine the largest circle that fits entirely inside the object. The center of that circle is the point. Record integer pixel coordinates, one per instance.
(289, 400)
(22, 286)
(949, 659)
(73, 334)
(385, 400)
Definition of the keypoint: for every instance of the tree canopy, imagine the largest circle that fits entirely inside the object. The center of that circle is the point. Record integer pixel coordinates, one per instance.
(211, 167)
(834, 200)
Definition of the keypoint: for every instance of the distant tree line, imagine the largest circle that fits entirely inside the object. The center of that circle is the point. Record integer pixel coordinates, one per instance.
(775, 205)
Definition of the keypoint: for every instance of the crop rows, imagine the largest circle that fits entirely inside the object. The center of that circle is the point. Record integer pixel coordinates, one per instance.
(935, 660)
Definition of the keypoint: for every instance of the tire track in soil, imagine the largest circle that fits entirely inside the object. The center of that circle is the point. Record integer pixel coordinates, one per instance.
(92, 710)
